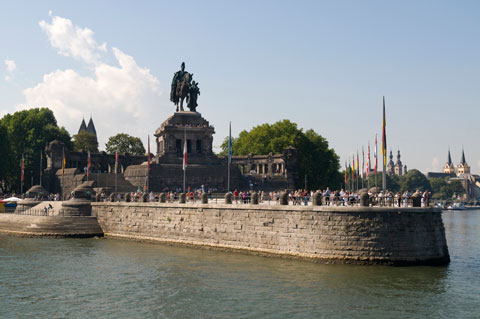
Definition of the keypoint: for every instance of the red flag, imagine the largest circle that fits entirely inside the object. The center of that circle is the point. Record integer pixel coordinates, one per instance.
(346, 179)
(375, 155)
(23, 169)
(368, 160)
(89, 164)
(185, 152)
(148, 153)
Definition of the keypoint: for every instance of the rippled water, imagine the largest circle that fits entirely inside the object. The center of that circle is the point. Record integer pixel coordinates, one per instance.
(110, 278)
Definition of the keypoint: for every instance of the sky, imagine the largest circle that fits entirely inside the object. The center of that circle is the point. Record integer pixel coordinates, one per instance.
(324, 65)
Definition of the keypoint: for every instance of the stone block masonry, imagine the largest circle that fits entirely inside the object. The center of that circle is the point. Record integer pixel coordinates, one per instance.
(364, 235)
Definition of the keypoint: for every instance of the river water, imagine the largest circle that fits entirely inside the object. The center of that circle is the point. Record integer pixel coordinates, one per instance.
(110, 278)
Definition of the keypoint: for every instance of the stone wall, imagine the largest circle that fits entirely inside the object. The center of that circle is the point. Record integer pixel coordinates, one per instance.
(49, 226)
(325, 234)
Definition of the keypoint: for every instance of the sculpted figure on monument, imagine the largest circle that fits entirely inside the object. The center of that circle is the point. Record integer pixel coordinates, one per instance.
(180, 87)
(193, 94)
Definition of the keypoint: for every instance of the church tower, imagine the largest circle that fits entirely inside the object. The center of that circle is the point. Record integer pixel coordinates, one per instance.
(449, 168)
(83, 126)
(90, 128)
(398, 165)
(463, 168)
(390, 165)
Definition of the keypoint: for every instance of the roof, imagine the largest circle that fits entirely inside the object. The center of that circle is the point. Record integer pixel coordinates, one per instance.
(83, 126)
(91, 127)
(440, 175)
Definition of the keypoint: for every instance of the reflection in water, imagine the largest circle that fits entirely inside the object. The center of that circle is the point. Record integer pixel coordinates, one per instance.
(112, 278)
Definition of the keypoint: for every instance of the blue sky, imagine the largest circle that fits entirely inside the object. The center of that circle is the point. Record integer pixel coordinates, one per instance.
(323, 65)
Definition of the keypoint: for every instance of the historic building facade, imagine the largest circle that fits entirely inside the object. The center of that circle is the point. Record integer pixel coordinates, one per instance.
(204, 168)
(396, 168)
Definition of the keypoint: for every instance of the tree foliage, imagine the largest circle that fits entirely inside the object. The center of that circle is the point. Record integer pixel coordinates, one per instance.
(85, 141)
(315, 159)
(445, 189)
(415, 180)
(125, 144)
(27, 132)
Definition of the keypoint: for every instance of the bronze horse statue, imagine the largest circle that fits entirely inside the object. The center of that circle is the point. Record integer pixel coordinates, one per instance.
(181, 90)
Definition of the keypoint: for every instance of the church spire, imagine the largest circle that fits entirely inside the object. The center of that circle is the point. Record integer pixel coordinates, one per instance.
(83, 126)
(91, 127)
(463, 157)
(449, 161)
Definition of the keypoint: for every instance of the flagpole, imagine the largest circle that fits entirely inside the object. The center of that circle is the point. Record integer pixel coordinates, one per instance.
(376, 162)
(41, 162)
(23, 174)
(184, 157)
(116, 169)
(148, 168)
(229, 158)
(384, 149)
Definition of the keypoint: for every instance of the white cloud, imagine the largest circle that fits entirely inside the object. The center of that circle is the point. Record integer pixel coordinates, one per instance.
(71, 40)
(121, 98)
(435, 164)
(10, 64)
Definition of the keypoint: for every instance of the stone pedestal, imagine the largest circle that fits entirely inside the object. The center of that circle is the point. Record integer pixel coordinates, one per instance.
(80, 204)
(34, 196)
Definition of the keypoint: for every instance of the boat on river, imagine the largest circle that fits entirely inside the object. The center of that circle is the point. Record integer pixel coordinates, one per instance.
(456, 206)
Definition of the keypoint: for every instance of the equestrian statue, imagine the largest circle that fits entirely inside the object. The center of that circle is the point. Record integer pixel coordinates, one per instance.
(183, 87)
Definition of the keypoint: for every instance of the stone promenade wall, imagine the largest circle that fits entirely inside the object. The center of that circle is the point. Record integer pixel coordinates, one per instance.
(49, 226)
(397, 236)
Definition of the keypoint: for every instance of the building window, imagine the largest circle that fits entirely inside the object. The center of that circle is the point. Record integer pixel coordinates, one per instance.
(178, 144)
(199, 146)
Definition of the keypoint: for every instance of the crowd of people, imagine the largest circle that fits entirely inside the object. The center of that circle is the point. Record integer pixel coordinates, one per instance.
(339, 197)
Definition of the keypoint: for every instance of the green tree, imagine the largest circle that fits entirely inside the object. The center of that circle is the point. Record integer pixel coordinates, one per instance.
(125, 144)
(315, 159)
(85, 141)
(414, 180)
(28, 132)
(446, 189)
(393, 181)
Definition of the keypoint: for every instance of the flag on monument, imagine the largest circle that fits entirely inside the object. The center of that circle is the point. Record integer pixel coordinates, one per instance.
(375, 155)
(185, 152)
(149, 153)
(89, 164)
(384, 136)
(63, 161)
(346, 169)
(22, 177)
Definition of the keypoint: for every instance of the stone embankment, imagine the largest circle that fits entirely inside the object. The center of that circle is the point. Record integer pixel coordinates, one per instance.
(49, 226)
(365, 235)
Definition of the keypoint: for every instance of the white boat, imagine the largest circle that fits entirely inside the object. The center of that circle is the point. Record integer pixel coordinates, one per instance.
(456, 206)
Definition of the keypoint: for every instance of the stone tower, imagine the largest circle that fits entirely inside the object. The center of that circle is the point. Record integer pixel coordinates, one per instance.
(398, 165)
(390, 165)
(449, 168)
(463, 168)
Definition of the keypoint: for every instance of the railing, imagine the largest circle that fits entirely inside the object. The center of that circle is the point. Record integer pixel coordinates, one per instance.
(30, 211)
(219, 198)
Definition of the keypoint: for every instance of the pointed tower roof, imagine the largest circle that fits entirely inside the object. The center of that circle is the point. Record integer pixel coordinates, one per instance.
(91, 127)
(449, 161)
(83, 126)
(463, 158)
